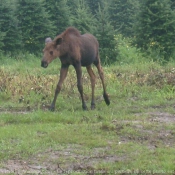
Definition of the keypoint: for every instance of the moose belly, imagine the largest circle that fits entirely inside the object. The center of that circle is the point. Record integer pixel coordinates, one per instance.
(86, 62)
(88, 58)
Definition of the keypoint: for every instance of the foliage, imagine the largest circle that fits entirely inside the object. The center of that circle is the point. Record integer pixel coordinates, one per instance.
(24, 24)
(2, 34)
(155, 27)
(93, 5)
(122, 15)
(10, 33)
(72, 5)
(83, 18)
(127, 53)
(59, 14)
(173, 4)
(34, 23)
(105, 35)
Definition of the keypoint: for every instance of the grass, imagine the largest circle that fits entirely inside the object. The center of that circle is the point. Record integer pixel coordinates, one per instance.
(135, 134)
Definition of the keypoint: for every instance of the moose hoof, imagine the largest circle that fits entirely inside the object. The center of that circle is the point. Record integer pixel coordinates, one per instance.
(92, 106)
(85, 108)
(51, 108)
(106, 98)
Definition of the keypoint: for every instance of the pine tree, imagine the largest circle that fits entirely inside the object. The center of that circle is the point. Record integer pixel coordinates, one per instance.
(35, 24)
(10, 34)
(83, 18)
(122, 15)
(93, 5)
(2, 34)
(173, 4)
(156, 27)
(59, 14)
(105, 35)
(72, 4)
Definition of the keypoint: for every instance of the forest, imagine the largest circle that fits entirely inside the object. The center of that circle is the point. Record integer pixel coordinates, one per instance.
(148, 25)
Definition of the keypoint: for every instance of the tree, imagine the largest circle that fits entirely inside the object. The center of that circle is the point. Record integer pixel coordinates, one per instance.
(59, 14)
(156, 26)
(72, 4)
(83, 18)
(10, 36)
(2, 34)
(173, 4)
(105, 34)
(34, 24)
(122, 15)
(93, 5)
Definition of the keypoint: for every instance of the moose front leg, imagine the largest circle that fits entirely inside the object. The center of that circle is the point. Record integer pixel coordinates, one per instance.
(92, 78)
(63, 74)
(78, 69)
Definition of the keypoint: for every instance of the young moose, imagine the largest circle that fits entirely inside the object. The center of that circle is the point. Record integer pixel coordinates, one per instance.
(78, 50)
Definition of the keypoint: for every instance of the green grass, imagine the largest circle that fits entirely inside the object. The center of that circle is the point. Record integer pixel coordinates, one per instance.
(135, 134)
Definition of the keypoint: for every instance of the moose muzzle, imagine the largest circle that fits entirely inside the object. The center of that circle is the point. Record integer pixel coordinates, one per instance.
(44, 64)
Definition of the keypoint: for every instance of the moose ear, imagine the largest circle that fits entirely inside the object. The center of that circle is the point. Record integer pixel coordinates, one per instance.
(58, 41)
(48, 40)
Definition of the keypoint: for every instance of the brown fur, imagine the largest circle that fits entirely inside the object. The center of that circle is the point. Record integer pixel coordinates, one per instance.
(78, 50)
(70, 46)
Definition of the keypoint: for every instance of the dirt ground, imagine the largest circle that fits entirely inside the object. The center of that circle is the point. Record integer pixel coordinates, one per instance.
(72, 158)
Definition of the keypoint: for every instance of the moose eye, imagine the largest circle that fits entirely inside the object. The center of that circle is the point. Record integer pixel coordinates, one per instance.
(51, 52)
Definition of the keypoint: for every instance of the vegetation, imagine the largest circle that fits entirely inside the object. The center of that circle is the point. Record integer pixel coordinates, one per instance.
(155, 28)
(134, 135)
(25, 24)
(9, 30)
(59, 13)
(34, 24)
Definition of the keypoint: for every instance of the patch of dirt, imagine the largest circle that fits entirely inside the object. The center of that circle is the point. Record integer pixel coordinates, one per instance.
(151, 132)
(17, 110)
(161, 117)
(64, 161)
(22, 110)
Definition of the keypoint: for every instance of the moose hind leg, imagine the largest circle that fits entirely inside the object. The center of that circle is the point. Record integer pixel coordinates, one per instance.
(92, 79)
(101, 74)
(79, 84)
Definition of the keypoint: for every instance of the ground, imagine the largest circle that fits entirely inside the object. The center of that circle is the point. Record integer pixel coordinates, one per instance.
(73, 158)
(135, 134)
